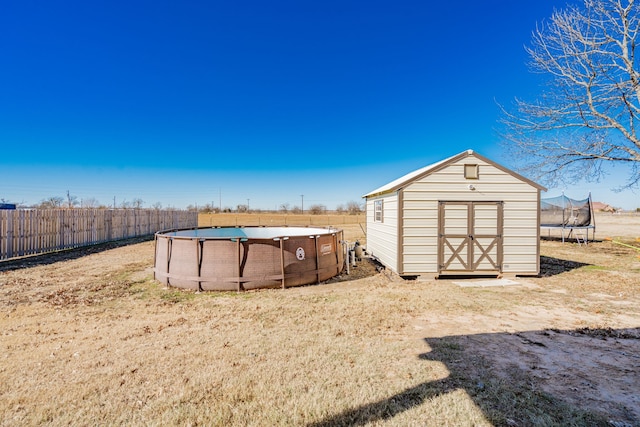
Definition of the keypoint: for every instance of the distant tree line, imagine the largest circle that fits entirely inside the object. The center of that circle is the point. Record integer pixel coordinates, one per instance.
(70, 201)
(352, 208)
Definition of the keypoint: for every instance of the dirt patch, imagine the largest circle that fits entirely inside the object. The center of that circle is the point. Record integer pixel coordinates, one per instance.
(585, 367)
(83, 276)
(586, 371)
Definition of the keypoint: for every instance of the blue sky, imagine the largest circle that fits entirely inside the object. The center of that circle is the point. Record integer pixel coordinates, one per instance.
(196, 102)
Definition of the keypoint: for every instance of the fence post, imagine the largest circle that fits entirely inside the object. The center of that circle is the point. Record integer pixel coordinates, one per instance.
(109, 224)
(10, 234)
(20, 233)
(60, 244)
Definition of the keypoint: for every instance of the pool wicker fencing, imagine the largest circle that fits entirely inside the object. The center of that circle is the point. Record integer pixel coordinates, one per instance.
(34, 231)
(244, 258)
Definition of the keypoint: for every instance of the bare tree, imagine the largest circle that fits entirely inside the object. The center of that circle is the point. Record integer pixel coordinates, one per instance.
(71, 200)
(137, 203)
(353, 208)
(317, 209)
(157, 206)
(284, 208)
(589, 116)
(90, 203)
(52, 202)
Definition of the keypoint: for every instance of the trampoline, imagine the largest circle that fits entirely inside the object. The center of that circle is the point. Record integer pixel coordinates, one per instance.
(574, 218)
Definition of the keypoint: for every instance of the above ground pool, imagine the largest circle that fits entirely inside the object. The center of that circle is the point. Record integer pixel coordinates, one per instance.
(243, 258)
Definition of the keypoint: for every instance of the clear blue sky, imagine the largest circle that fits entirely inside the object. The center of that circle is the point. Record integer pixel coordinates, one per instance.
(192, 102)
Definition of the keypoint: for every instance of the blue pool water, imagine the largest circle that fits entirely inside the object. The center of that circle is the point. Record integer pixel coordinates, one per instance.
(251, 232)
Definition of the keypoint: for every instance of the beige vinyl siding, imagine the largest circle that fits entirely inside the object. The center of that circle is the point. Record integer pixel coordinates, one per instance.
(382, 237)
(419, 235)
(420, 215)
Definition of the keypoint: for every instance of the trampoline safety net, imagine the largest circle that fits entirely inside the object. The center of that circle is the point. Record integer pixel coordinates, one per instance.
(562, 211)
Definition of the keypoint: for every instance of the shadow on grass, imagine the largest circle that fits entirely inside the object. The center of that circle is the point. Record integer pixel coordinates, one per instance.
(67, 254)
(570, 240)
(583, 377)
(552, 266)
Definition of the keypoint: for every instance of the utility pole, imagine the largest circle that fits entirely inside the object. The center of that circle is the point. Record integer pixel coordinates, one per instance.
(302, 197)
(247, 205)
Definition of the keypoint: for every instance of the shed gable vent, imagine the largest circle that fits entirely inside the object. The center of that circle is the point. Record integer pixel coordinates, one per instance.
(471, 171)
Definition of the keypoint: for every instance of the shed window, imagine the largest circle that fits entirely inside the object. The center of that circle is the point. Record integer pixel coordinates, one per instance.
(471, 171)
(377, 211)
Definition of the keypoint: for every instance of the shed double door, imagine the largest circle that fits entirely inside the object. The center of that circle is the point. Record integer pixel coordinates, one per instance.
(470, 237)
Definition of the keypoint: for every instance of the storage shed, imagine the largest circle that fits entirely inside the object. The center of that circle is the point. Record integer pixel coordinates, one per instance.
(465, 215)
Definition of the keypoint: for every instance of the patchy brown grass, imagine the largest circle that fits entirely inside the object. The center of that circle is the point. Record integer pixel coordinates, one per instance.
(88, 337)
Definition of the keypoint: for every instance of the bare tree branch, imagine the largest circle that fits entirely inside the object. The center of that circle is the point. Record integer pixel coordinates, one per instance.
(589, 114)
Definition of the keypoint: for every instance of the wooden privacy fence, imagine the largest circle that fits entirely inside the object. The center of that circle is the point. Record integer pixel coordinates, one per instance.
(35, 231)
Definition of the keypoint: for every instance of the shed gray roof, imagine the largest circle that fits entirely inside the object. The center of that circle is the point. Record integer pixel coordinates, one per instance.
(403, 181)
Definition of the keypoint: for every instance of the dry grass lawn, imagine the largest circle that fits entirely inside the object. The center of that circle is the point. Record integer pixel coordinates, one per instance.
(88, 337)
